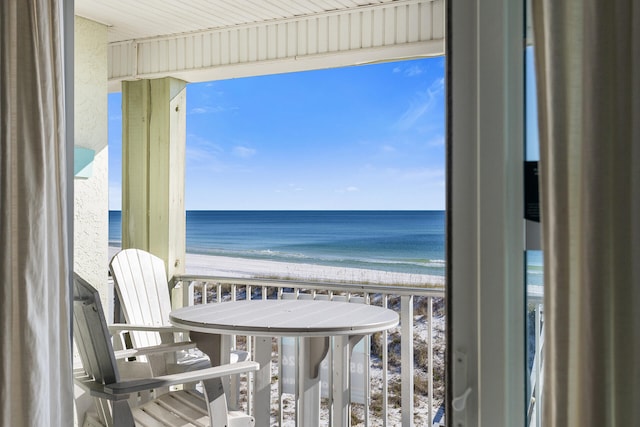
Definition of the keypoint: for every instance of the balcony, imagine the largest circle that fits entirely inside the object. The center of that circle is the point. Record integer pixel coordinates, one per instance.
(400, 383)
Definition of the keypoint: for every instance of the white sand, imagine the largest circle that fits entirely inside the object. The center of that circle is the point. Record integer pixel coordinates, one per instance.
(208, 265)
(243, 267)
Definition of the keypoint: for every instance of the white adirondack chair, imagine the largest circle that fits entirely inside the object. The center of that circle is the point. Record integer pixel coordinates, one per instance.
(143, 289)
(100, 377)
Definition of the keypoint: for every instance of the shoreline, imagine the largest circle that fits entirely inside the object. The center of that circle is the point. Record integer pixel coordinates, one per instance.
(214, 265)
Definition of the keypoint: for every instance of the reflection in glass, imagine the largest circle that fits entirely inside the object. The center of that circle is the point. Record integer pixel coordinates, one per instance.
(534, 280)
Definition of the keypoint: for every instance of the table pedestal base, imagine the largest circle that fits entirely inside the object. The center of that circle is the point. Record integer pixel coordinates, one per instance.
(342, 350)
(312, 350)
(262, 392)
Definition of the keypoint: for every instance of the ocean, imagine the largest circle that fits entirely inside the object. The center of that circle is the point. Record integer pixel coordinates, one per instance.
(397, 241)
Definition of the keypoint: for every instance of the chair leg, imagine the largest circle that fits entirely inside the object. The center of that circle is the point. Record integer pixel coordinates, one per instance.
(121, 414)
(217, 401)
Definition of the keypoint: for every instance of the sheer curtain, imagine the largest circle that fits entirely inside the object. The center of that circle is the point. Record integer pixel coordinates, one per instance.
(588, 70)
(35, 347)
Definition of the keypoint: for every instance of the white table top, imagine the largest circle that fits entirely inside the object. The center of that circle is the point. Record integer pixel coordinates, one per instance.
(277, 318)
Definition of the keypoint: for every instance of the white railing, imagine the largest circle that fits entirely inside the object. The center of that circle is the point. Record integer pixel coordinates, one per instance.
(536, 379)
(404, 379)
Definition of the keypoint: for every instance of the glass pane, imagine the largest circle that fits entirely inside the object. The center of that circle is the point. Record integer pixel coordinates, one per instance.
(534, 280)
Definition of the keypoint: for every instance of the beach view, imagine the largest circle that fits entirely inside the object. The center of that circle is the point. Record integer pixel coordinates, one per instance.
(374, 247)
(342, 249)
(329, 183)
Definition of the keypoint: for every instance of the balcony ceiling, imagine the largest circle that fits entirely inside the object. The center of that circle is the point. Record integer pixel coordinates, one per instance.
(203, 40)
(140, 19)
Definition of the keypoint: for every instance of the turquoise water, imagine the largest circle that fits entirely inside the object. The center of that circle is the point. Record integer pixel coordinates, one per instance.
(535, 268)
(399, 241)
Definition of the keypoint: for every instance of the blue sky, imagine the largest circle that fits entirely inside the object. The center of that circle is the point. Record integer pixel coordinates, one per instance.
(532, 152)
(366, 137)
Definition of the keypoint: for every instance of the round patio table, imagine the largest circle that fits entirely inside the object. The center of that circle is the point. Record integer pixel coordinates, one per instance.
(311, 320)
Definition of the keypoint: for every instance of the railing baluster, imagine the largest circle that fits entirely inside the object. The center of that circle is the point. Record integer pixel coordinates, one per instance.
(251, 375)
(385, 369)
(430, 367)
(367, 376)
(406, 370)
(538, 367)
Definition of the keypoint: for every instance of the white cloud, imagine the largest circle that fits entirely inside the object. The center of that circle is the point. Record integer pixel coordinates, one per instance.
(409, 71)
(291, 188)
(244, 152)
(437, 86)
(203, 154)
(422, 174)
(349, 189)
(413, 114)
(388, 148)
(413, 71)
(437, 141)
(207, 110)
(424, 103)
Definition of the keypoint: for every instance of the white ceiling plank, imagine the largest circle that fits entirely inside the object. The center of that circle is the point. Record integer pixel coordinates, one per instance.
(413, 23)
(438, 19)
(344, 31)
(367, 28)
(312, 34)
(323, 34)
(355, 31)
(378, 27)
(333, 32)
(401, 25)
(389, 26)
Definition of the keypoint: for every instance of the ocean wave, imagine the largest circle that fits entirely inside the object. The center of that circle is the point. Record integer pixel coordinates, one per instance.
(414, 266)
(278, 254)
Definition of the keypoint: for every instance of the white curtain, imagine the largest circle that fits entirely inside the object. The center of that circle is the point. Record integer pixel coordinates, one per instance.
(35, 344)
(588, 70)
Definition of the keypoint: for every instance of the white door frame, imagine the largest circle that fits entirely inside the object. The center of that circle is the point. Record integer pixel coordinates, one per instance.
(486, 304)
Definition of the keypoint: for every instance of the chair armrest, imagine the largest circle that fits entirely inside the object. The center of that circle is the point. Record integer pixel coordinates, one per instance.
(133, 386)
(156, 349)
(95, 388)
(194, 278)
(120, 327)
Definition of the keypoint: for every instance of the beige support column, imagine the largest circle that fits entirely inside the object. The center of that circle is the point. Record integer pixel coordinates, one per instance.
(153, 169)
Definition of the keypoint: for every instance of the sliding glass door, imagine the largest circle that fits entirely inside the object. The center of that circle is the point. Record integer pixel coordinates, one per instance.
(486, 237)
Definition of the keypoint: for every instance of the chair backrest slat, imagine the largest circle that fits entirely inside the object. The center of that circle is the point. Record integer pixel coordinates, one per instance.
(93, 342)
(141, 283)
(91, 335)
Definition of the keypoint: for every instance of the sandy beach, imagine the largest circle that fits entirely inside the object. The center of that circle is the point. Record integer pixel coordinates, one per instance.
(208, 265)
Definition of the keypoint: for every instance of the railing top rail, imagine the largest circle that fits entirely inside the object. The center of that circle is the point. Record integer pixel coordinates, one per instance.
(327, 286)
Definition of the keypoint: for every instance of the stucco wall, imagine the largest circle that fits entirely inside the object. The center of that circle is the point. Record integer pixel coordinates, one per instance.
(91, 194)
(91, 216)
